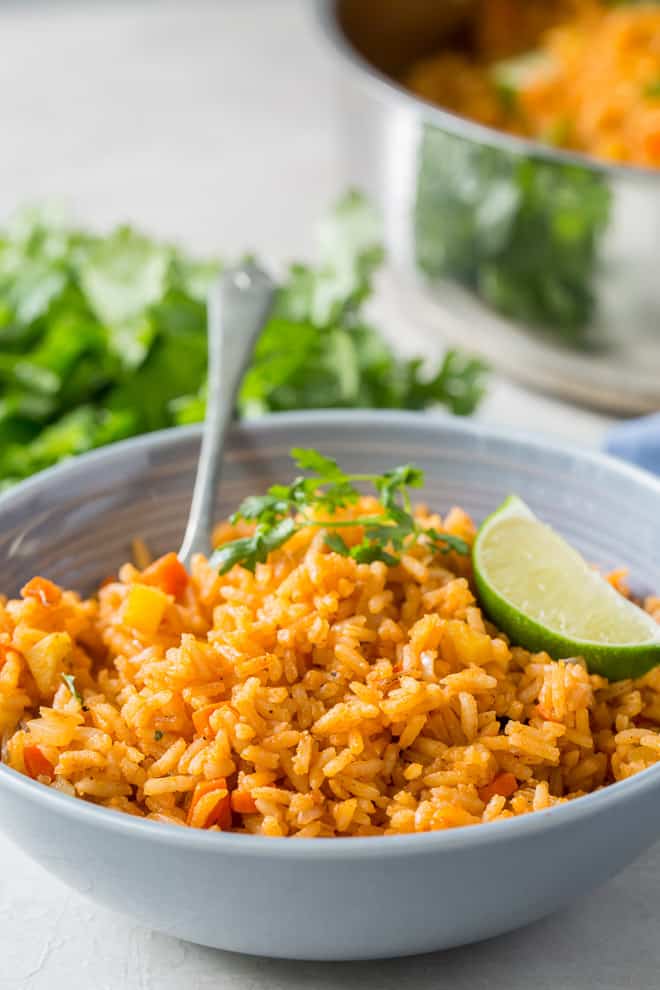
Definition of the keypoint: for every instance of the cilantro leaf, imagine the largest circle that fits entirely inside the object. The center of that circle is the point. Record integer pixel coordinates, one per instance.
(70, 682)
(311, 460)
(237, 552)
(445, 542)
(367, 553)
(287, 509)
(337, 543)
(318, 351)
(258, 506)
(252, 550)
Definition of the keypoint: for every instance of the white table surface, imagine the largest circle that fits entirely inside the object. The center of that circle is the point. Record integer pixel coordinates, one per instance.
(212, 121)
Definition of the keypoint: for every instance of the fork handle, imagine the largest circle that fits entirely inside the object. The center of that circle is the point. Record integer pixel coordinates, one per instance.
(239, 306)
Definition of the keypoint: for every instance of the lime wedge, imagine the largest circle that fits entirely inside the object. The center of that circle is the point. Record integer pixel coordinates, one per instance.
(544, 596)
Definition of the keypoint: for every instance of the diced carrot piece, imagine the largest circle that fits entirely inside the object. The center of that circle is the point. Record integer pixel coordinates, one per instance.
(545, 715)
(205, 787)
(168, 574)
(220, 813)
(43, 589)
(617, 579)
(652, 146)
(36, 763)
(243, 803)
(201, 717)
(144, 608)
(504, 784)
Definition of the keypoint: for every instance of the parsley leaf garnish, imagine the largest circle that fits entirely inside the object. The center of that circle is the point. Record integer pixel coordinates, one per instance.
(286, 509)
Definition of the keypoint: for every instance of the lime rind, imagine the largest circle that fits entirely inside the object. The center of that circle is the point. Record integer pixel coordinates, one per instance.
(520, 619)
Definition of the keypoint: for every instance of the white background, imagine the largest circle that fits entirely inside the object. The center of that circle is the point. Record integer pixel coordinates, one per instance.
(213, 123)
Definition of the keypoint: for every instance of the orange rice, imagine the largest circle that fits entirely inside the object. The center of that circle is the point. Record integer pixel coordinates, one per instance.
(316, 697)
(597, 92)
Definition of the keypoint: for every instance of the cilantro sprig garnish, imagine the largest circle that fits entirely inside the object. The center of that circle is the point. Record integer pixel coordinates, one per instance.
(287, 509)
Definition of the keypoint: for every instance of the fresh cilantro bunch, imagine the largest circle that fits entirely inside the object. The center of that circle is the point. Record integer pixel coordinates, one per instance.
(319, 351)
(98, 334)
(103, 336)
(287, 509)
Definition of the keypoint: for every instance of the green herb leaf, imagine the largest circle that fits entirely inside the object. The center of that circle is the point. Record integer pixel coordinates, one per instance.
(368, 552)
(236, 552)
(394, 481)
(104, 336)
(652, 90)
(446, 542)
(287, 509)
(253, 550)
(311, 460)
(337, 543)
(158, 735)
(258, 506)
(318, 352)
(70, 682)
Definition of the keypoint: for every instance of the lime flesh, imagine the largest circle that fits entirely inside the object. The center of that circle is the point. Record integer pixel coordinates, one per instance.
(545, 596)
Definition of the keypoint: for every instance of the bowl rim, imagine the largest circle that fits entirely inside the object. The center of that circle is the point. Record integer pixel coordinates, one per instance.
(385, 86)
(454, 839)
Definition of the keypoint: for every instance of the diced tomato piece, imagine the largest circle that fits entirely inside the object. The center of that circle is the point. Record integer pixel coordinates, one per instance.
(504, 784)
(43, 589)
(220, 813)
(168, 574)
(36, 763)
(243, 803)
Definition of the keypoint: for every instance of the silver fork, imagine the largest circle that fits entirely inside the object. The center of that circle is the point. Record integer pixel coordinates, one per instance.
(239, 305)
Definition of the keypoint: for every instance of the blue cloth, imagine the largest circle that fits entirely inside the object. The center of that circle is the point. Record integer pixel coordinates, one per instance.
(637, 441)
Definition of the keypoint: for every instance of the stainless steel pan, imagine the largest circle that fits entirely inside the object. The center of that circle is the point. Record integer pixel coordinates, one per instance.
(544, 260)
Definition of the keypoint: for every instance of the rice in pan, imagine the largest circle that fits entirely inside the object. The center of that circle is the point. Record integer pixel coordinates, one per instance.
(589, 80)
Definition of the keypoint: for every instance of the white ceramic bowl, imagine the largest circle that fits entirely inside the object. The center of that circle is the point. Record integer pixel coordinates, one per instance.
(342, 898)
